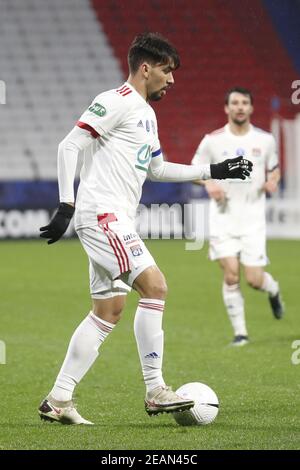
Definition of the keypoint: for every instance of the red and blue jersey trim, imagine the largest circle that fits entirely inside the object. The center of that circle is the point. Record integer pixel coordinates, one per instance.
(156, 153)
(87, 127)
(124, 90)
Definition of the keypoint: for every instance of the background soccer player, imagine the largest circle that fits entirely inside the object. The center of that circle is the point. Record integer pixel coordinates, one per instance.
(119, 137)
(237, 208)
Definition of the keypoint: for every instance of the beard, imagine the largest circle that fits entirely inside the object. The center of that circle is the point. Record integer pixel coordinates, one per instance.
(155, 96)
(240, 122)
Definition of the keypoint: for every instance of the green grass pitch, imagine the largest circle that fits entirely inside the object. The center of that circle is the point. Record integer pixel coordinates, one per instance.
(44, 295)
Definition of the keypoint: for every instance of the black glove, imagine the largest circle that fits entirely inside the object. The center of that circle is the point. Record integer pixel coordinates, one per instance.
(232, 168)
(58, 224)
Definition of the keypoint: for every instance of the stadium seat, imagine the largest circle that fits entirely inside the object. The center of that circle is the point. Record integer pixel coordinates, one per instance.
(55, 59)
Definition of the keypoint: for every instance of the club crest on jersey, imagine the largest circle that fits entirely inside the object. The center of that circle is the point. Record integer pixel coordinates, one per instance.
(256, 152)
(136, 250)
(97, 109)
(240, 152)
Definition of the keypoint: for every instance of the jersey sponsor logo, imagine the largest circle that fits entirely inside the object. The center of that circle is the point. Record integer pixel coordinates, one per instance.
(129, 237)
(153, 127)
(256, 152)
(143, 158)
(97, 109)
(147, 126)
(140, 124)
(136, 250)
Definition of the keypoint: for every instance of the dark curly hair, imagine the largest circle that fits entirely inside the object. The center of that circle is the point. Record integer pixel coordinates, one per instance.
(154, 48)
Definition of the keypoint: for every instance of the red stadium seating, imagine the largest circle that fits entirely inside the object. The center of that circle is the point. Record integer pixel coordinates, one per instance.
(221, 44)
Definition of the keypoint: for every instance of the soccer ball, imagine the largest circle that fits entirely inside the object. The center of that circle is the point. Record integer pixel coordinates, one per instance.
(206, 405)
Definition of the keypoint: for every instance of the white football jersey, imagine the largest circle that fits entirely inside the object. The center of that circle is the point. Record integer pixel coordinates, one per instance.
(244, 208)
(116, 165)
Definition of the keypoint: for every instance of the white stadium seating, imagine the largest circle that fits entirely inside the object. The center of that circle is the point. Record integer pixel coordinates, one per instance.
(49, 82)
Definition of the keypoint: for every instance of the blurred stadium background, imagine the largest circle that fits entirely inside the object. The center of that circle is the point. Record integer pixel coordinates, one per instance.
(56, 56)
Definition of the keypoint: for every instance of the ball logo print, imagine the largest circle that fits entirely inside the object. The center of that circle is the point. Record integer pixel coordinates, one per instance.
(206, 405)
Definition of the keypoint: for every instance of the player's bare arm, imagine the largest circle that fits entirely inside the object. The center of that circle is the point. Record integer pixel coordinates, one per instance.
(215, 190)
(273, 179)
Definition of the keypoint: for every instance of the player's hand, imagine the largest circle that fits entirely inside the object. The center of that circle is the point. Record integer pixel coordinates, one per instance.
(270, 186)
(237, 167)
(58, 224)
(215, 191)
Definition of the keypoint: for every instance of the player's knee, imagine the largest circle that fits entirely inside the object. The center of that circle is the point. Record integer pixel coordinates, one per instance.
(116, 312)
(157, 290)
(231, 278)
(254, 282)
(113, 316)
(151, 284)
(110, 309)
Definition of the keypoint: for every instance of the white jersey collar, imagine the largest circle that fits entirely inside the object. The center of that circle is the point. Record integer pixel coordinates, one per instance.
(135, 92)
(228, 131)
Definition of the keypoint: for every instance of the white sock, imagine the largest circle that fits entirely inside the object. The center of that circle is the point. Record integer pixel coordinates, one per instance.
(81, 354)
(269, 285)
(234, 303)
(150, 340)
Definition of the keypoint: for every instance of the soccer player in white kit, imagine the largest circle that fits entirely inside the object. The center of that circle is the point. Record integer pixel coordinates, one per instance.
(237, 222)
(119, 138)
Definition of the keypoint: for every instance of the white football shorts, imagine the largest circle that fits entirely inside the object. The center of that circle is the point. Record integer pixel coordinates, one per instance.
(116, 253)
(250, 248)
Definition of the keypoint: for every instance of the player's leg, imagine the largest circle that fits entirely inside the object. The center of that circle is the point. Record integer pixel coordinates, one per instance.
(152, 288)
(85, 343)
(254, 259)
(81, 355)
(259, 279)
(233, 298)
(108, 301)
